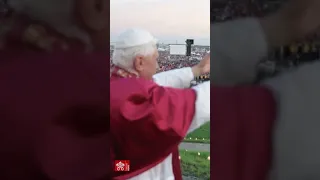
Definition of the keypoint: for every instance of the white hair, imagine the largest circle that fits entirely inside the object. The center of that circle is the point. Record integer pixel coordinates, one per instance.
(59, 14)
(124, 57)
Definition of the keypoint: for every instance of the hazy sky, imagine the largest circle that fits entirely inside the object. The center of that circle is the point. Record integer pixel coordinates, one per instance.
(168, 20)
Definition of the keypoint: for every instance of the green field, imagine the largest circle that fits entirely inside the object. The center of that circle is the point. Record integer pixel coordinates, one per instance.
(200, 135)
(195, 165)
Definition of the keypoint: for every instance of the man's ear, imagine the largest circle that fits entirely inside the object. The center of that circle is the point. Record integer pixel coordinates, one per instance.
(138, 63)
(93, 13)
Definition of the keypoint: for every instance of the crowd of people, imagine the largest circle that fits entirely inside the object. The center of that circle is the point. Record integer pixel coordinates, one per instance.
(169, 62)
(60, 119)
(166, 63)
(285, 57)
(226, 11)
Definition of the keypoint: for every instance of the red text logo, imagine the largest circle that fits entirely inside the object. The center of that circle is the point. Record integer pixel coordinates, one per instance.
(121, 165)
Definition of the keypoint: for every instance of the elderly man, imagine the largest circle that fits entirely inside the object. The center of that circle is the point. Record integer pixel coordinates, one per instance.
(243, 116)
(54, 94)
(153, 117)
(136, 52)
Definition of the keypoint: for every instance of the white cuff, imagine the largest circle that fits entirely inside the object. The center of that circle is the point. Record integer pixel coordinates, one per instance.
(177, 78)
(202, 106)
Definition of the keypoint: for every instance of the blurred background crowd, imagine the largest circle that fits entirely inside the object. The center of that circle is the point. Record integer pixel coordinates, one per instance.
(280, 59)
(223, 10)
(3, 9)
(168, 62)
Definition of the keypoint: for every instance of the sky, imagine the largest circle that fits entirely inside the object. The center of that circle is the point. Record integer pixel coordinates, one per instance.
(170, 21)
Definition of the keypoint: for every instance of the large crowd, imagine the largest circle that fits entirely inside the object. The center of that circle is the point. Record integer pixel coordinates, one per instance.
(232, 9)
(286, 57)
(223, 11)
(168, 62)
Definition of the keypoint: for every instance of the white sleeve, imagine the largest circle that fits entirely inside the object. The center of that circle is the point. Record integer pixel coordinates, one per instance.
(236, 48)
(177, 78)
(296, 144)
(202, 106)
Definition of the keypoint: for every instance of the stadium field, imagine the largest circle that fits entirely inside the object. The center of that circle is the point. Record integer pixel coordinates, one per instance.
(200, 135)
(195, 164)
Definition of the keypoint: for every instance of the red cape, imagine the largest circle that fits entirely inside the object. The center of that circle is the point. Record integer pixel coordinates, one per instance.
(148, 123)
(241, 132)
(54, 116)
(54, 109)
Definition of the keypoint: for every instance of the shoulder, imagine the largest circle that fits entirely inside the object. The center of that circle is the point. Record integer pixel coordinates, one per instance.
(127, 86)
(305, 77)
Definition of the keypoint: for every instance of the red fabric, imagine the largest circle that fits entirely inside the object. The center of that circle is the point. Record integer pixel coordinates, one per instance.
(148, 122)
(54, 112)
(176, 165)
(117, 72)
(241, 133)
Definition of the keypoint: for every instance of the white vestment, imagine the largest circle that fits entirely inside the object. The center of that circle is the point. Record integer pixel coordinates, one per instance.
(236, 48)
(180, 78)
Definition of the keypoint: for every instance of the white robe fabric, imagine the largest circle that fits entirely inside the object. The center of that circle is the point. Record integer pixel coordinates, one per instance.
(180, 78)
(297, 131)
(236, 48)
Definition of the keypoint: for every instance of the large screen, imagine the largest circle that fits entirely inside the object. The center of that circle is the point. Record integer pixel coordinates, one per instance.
(178, 49)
